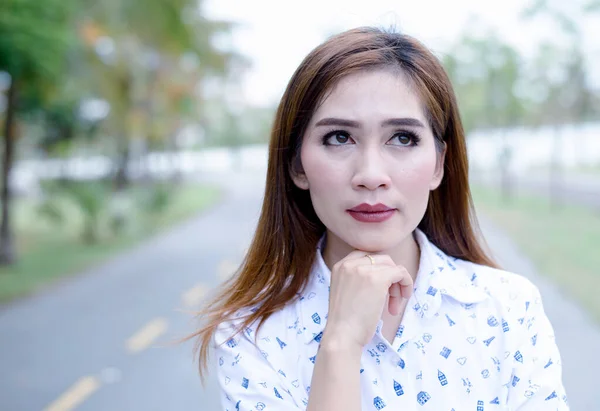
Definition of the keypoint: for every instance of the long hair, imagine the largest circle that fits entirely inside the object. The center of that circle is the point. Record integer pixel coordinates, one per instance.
(277, 265)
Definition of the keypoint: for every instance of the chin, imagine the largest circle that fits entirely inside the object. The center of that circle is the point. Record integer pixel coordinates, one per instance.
(374, 241)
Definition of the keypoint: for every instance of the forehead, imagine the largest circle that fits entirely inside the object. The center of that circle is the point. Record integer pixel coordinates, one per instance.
(370, 96)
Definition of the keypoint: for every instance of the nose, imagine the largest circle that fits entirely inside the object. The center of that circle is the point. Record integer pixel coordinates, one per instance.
(370, 169)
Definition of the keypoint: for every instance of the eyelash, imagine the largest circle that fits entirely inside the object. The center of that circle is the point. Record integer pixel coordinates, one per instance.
(415, 139)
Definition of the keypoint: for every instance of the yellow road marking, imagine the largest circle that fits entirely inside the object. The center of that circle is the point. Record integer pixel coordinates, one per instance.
(146, 336)
(74, 396)
(226, 269)
(193, 296)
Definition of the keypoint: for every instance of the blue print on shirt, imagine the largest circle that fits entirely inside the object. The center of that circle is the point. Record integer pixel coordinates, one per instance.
(442, 378)
(398, 388)
(281, 343)
(423, 397)
(519, 357)
(316, 318)
(445, 352)
(515, 380)
(432, 291)
(378, 403)
(488, 341)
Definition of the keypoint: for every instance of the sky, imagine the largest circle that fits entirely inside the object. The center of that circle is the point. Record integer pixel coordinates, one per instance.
(277, 35)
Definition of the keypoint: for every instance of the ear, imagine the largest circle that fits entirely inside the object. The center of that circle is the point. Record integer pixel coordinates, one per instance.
(438, 175)
(298, 176)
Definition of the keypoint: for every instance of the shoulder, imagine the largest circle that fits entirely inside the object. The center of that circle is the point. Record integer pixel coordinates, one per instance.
(271, 337)
(515, 292)
(502, 284)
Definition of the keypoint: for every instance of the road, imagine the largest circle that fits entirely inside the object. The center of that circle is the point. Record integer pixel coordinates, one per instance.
(99, 341)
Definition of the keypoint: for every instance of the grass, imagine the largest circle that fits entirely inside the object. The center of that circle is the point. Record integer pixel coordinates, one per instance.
(563, 243)
(47, 254)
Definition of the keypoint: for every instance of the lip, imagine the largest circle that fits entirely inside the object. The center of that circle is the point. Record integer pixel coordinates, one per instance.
(367, 213)
(368, 208)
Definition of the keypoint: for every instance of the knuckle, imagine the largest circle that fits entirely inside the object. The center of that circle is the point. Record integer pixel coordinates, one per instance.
(345, 265)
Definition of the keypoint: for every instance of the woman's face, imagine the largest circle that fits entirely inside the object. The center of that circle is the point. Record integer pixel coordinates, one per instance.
(369, 142)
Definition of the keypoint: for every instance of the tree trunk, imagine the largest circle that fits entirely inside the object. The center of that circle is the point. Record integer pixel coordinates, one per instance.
(122, 178)
(7, 248)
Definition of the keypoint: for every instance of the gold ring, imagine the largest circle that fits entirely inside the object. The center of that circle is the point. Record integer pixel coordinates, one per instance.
(370, 258)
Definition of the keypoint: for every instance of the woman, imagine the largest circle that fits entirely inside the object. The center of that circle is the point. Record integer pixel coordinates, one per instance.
(365, 286)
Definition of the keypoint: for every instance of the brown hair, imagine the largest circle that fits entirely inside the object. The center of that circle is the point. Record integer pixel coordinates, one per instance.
(279, 259)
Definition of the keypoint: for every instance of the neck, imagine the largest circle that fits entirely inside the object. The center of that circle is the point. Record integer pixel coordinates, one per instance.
(405, 253)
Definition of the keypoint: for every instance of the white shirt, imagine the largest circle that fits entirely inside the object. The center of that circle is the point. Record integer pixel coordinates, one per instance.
(471, 338)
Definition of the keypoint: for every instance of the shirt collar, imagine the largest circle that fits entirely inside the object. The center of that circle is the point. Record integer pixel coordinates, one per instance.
(439, 275)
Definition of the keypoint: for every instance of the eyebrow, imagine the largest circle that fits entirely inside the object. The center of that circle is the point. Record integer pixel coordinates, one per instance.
(406, 121)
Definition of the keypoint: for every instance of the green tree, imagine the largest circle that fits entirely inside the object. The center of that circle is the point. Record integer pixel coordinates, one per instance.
(150, 39)
(560, 73)
(34, 39)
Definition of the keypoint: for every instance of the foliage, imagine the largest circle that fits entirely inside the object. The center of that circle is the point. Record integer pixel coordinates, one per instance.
(497, 87)
(34, 39)
(155, 199)
(90, 199)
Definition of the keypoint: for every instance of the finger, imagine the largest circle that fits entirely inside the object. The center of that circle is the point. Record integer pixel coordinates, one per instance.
(394, 299)
(406, 290)
(404, 281)
(358, 257)
(401, 276)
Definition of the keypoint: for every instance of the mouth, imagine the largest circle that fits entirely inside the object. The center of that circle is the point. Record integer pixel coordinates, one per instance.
(367, 213)
(368, 208)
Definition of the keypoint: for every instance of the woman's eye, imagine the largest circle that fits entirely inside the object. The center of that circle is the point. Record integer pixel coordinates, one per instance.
(406, 139)
(336, 138)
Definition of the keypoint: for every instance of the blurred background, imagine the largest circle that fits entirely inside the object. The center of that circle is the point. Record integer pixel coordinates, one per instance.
(133, 139)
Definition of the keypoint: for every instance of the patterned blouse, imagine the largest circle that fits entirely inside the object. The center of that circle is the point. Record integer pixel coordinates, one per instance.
(471, 338)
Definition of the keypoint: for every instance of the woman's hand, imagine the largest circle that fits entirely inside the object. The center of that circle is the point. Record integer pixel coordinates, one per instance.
(359, 289)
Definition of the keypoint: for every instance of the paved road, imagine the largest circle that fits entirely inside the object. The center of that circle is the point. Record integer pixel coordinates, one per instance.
(97, 341)
(73, 339)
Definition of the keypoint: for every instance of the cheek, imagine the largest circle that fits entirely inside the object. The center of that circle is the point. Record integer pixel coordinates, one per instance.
(323, 173)
(416, 176)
